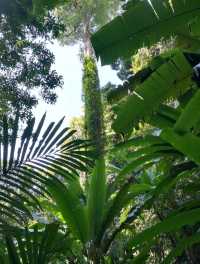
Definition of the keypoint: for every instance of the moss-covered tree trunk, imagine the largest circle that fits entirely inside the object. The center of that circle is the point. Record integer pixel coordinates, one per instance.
(93, 104)
(93, 111)
(92, 95)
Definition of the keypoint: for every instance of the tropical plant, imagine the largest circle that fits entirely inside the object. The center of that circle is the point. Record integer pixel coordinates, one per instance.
(27, 163)
(81, 18)
(94, 214)
(165, 95)
(156, 184)
(38, 244)
(162, 19)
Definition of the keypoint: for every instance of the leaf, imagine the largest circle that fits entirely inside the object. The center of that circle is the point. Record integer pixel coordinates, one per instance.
(190, 116)
(136, 163)
(49, 237)
(39, 244)
(120, 39)
(71, 205)
(25, 169)
(162, 84)
(186, 143)
(150, 150)
(137, 142)
(12, 252)
(124, 196)
(170, 224)
(96, 199)
(182, 245)
(169, 112)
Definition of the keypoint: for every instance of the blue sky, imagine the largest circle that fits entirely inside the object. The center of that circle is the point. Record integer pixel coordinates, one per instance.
(69, 102)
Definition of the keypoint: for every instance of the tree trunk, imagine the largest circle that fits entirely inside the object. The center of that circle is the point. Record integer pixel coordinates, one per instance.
(92, 97)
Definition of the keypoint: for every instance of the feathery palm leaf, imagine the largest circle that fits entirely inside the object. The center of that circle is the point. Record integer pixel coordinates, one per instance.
(34, 245)
(26, 164)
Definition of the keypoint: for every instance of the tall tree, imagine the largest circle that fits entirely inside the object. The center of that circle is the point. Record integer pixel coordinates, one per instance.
(25, 61)
(81, 19)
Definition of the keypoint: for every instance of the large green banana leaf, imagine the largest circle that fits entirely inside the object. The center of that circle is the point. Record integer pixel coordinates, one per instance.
(142, 24)
(171, 79)
(187, 143)
(190, 116)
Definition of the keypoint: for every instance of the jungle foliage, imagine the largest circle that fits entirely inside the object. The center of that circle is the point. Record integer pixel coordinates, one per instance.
(25, 61)
(140, 202)
(81, 19)
(165, 95)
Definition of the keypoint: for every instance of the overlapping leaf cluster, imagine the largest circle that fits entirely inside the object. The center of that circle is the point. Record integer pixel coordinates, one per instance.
(165, 95)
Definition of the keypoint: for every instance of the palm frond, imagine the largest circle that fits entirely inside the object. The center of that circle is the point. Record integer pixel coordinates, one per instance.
(27, 162)
(34, 245)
